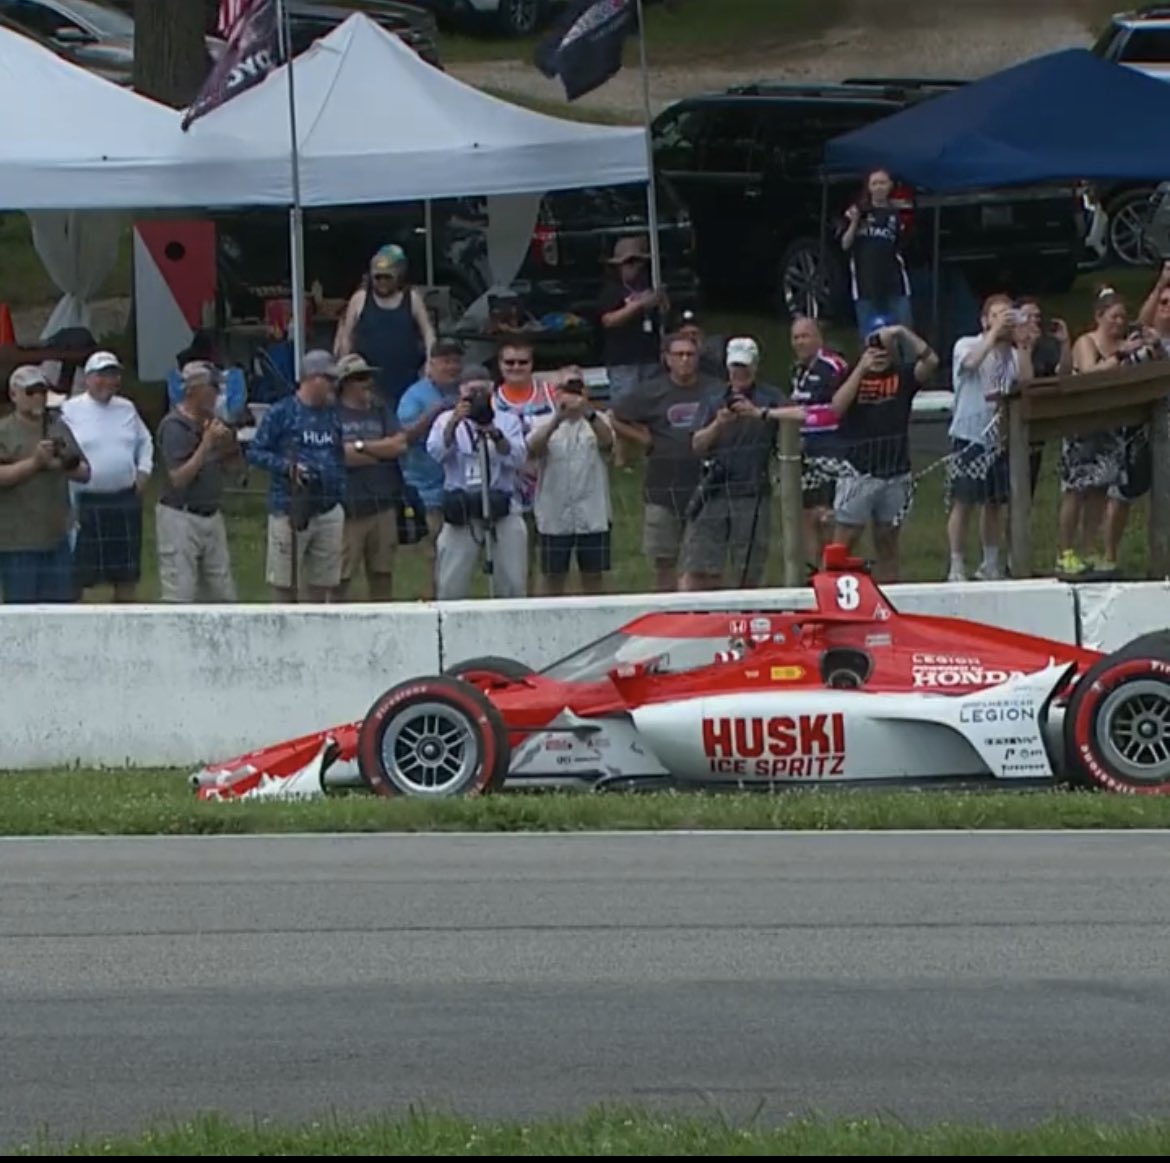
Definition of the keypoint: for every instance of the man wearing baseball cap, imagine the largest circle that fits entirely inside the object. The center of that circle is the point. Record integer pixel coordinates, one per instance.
(388, 325)
(300, 444)
(38, 459)
(735, 434)
(193, 555)
(374, 441)
(120, 451)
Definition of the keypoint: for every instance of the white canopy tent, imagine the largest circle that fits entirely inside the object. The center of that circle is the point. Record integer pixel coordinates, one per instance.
(376, 123)
(74, 141)
(79, 153)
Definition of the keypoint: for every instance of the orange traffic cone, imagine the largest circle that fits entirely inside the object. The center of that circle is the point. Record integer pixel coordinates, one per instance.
(7, 331)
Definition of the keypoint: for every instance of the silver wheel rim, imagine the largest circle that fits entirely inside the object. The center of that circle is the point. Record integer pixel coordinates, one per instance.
(1127, 233)
(800, 285)
(1133, 730)
(430, 749)
(522, 15)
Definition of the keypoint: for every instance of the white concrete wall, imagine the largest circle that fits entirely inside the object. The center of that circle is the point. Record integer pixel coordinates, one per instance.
(142, 686)
(540, 632)
(157, 686)
(1111, 614)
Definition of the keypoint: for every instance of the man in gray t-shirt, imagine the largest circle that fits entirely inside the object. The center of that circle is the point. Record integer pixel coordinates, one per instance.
(659, 414)
(193, 558)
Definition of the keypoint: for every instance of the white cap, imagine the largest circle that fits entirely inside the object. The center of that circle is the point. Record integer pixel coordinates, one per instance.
(742, 350)
(102, 361)
(31, 375)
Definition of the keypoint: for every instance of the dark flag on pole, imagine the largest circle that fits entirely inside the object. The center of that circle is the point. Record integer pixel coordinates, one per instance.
(584, 47)
(253, 51)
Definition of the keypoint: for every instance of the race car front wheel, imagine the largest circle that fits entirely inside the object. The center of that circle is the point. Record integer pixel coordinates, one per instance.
(434, 736)
(1117, 727)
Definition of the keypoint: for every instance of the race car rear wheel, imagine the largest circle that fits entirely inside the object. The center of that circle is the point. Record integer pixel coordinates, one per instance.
(489, 669)
(1117, 727)
(433, 736)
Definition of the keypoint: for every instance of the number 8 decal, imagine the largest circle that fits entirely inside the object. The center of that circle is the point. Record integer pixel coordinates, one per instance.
(848, 597)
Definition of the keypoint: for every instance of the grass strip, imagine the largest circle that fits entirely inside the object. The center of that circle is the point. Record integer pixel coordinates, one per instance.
(139, 803)
(621, 1133)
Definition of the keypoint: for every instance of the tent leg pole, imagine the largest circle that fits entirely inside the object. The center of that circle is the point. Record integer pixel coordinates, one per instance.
(429, 231)
(935, 288)
(652, 185)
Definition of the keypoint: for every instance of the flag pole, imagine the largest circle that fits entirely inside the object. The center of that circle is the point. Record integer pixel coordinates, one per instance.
(652, 185)
(296, 232)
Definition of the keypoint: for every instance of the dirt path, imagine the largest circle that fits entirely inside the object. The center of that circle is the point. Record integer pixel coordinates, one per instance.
(947, 40)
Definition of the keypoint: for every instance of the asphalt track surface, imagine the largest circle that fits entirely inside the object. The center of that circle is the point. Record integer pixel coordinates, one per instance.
(983, 976)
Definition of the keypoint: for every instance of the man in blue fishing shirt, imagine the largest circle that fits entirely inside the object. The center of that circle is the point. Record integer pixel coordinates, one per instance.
(299, 444)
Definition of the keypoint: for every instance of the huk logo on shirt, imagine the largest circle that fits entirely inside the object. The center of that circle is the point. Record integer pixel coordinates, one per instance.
(682, 415)
(318, 439)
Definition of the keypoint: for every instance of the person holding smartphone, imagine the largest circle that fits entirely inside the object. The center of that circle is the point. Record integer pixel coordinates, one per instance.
(984, 366)
(572, 508)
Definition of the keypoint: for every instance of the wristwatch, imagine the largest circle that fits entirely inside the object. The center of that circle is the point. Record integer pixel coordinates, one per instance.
(359, 445)
(590, 416)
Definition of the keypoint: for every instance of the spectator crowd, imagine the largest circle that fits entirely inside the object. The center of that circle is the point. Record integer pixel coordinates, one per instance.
(511, 471)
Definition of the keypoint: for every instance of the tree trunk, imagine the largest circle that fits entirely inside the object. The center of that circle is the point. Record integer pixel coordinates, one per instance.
(170, 55)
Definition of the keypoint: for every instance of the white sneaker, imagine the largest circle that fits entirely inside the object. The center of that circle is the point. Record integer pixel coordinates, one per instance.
(957, 574)
(988, 573)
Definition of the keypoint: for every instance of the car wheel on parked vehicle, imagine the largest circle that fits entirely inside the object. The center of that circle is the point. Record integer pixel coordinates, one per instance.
(1117, 725)
(1129, 215)
(519, 17)
(436, 736)
(803, 287)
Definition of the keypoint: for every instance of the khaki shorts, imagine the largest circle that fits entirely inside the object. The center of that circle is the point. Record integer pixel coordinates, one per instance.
(319, 550)
(370, 541)
(662, 533)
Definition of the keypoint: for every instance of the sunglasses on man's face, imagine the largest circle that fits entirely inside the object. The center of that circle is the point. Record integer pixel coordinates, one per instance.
(515, 362)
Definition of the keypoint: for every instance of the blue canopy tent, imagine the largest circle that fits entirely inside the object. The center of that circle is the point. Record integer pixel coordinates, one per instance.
(1066, 116)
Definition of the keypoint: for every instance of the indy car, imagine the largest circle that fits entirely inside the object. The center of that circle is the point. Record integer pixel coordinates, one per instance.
(849, 691)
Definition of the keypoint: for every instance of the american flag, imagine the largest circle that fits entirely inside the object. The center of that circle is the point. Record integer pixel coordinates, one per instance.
(231, 12)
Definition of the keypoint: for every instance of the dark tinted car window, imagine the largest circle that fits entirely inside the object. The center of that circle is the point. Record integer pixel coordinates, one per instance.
(678, 139)
(732, 140)
(1147, 44)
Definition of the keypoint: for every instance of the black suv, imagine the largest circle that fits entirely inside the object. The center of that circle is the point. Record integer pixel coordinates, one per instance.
(563, 268)
(747, 164)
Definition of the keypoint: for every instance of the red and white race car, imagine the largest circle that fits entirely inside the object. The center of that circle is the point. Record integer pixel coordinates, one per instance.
(848, 691)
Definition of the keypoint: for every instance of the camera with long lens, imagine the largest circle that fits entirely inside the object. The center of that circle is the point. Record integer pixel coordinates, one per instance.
(479, 408)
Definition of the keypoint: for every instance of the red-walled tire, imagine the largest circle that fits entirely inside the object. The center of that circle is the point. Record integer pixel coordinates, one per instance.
(1117, 727)
(433, 736)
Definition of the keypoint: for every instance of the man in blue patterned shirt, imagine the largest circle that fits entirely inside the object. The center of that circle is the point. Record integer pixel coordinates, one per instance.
(299, 443)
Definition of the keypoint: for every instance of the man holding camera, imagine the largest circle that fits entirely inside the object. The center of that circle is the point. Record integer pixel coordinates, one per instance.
(38, 458)
(572, 504)
(735, 435)
(299, 442)
(875, 404)
(482, 450)
(983, 366)
(192, 539)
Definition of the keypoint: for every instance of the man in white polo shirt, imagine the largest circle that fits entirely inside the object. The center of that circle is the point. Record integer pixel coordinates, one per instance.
(120, 452)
